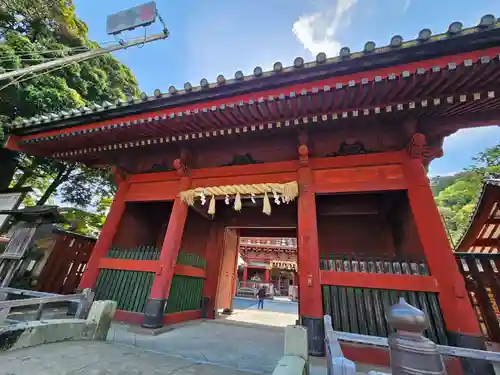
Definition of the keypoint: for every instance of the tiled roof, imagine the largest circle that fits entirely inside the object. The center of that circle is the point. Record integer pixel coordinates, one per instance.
(485, 232)
(487, 23)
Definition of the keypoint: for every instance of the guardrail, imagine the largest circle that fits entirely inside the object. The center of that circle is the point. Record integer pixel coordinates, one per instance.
(336, 363)
(451, 351)
(83, 301)
(410, 351)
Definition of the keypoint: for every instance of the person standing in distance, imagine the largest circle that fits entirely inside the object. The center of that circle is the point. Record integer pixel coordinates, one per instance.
(261, 294)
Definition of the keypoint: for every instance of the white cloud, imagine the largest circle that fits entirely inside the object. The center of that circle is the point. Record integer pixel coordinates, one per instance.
(318, 31)
(406, 5)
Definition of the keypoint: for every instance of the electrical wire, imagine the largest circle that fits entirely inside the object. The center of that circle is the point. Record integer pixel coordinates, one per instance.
(23, 78)
(66, 49)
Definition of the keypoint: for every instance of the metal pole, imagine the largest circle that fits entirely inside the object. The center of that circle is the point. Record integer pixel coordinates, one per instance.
(83, 56)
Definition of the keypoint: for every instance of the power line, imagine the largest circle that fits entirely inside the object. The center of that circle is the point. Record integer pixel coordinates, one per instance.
(75, 58)
(65, 49)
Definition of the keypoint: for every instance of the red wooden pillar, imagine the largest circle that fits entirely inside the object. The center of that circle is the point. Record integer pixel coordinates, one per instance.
(266, 275)
(462, 327)
(155, 308)
(245, 273)
(310, 300)
(158, 296)
(106, 237)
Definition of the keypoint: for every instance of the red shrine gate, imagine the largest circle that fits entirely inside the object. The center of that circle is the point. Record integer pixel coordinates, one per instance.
(342, 144)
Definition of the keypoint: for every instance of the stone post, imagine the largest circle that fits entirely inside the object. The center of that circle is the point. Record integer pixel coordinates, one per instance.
(410, 351)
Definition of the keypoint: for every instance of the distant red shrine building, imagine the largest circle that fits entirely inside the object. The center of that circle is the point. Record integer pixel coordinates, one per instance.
(342, 144)
(270, 260)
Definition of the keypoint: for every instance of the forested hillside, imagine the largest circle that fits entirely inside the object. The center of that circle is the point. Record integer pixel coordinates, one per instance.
(36, 31)
(456, 195)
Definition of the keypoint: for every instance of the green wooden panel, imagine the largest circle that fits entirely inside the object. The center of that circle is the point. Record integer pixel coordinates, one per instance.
(130, 289)
(185, 294)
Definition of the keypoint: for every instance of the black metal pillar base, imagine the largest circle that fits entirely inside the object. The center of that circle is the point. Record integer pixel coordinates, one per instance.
(315, 335)
(207, 310)
(471, 366)
(153, 315)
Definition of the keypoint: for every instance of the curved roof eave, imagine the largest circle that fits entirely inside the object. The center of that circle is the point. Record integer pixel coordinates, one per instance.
(415, 50)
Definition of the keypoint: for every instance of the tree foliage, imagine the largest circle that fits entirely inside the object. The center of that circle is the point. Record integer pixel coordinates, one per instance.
(456, 195)
(34, 31)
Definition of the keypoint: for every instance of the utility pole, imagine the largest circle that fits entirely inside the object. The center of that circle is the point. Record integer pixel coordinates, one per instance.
(143, 15)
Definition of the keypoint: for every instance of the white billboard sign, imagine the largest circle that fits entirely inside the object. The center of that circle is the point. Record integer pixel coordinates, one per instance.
(7, 202)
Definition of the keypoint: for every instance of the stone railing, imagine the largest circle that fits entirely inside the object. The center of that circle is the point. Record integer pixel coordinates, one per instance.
(32, 333)
(79, 303)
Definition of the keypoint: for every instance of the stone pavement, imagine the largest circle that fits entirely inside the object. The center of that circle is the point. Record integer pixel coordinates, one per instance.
(255, 349)
(103, 358)
(248, 342)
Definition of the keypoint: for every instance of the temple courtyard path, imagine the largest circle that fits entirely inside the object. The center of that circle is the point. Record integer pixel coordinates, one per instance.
(250, 341)
(92, 357)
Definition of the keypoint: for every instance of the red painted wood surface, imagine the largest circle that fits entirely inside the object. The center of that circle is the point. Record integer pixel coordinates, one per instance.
(351, 234)
(383, 72)
(360, 179)
(183, 270)
(153, 191)
(246, 179)
(246, 170)
(170, 250)
(106, 237)
(453, 295)
(310, 298)
(130, 265)
(353, 161)
(143, 224)
(149, 266)
(154, 177)
(380, 281)
(66, 263)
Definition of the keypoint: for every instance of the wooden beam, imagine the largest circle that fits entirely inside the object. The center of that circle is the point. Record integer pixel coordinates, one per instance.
(485, 242)
(130, 265)
(380, 281)
(183, 270)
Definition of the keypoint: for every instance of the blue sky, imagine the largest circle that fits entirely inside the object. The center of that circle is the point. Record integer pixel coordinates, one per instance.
(211, 37)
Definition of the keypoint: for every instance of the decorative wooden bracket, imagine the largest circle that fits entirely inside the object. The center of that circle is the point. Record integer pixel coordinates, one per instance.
(418, 148)
(180, 167)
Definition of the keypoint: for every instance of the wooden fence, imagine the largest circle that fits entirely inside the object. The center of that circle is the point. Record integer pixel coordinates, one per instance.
(361, 309)
(482, 280)
(130, 288)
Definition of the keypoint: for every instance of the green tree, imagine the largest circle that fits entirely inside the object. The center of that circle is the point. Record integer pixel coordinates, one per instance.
(457, 195)
(31, 32)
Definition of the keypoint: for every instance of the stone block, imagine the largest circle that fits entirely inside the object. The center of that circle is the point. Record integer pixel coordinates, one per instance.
(27, 334)
(291, 365)
(296, 342)
(101, 313)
